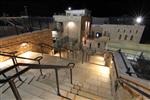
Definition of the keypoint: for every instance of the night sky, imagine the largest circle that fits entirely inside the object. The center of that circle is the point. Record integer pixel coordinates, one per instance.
(99, 8)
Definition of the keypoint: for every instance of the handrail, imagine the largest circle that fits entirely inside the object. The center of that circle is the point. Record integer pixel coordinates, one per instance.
(9, 55)
(128, 69)
(37, 66)
(46, 45)
(14, 76)
(135, 88)
(121, 78)
(7, 69)
(4, 52)
(32, 66)
(28, 67)
(136, 83)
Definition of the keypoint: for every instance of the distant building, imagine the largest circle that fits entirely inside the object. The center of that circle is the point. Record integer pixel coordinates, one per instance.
(116, 29)
(113, 20)
(120, 32)
(78, 24)
(99, 21)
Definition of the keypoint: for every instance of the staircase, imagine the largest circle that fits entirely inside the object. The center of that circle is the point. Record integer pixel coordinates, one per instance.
(89, 82)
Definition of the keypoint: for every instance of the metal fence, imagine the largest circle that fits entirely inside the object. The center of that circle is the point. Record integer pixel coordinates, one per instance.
(19, 25)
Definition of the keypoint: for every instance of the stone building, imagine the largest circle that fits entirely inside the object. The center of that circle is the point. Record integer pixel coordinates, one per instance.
(76, 24)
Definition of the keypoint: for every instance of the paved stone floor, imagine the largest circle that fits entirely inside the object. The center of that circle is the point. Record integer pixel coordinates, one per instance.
(91, 80)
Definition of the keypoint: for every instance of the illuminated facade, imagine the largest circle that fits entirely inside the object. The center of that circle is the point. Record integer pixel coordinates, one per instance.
(132, 33)
(76, 24)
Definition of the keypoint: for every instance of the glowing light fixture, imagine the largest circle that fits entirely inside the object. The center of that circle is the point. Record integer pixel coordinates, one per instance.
(139, 19)
(54, 34)
(71, 24)
(24, 44)
(69, 8)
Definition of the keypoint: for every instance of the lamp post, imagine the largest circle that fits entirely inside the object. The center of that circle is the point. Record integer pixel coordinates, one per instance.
(26, 11)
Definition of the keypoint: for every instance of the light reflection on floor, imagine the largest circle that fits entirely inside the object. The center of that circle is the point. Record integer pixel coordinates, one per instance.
(6, 64)
(104, 71)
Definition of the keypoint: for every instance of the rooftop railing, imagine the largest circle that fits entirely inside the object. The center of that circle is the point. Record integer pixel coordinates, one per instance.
(14, 26)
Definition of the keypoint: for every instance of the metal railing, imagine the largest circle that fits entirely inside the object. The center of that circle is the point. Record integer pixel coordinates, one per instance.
(59, 49)
(10, 78)
(14, 26)
(131, 81)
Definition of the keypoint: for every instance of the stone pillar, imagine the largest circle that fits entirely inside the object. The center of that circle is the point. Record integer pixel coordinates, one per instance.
(107, 58)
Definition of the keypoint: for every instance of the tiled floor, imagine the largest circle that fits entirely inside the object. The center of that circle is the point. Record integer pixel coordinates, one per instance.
(90, 80)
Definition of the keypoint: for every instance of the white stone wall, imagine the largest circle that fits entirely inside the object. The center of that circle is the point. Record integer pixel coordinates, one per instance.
(74, 26)
(72, 29)
(116, 31)
(71, 25)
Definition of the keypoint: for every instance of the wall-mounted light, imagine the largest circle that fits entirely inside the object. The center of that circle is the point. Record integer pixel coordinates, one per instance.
(54, 34)
(24, 44)
(71, 24)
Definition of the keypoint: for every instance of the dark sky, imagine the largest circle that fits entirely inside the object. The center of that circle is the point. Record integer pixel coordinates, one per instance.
(99, 8)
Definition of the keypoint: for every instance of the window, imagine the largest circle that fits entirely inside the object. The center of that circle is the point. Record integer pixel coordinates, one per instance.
(118, 30)
(98, 34)
(130, 31)
(120, 37)
(125, 38)
(124, 31)
(136, 31)
(131, 38)
(104, 33)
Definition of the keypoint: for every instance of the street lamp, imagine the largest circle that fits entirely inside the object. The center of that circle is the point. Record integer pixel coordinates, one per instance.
(69, 8)
(139, 20)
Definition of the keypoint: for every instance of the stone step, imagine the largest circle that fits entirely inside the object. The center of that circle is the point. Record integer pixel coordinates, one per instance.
(42, 86)
(72, 96)
(8, 95)
(85, 94)
(40, 90)
(89, 95)
(6, 87)
(64, 90)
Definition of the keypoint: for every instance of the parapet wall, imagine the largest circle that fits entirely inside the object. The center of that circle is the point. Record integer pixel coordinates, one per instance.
(26, 42)
(130, 47)
(124, 86)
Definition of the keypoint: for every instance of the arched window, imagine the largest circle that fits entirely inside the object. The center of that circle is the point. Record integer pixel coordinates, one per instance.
(120, 37)
(131, 38)
(125, 38)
